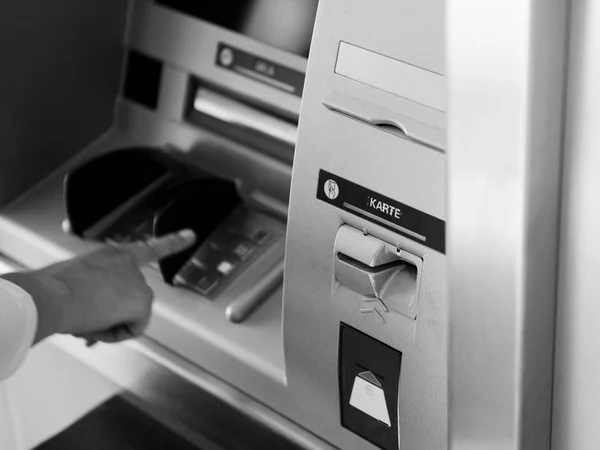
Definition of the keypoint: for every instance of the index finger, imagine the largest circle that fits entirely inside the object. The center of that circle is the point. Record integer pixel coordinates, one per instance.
(160, 247)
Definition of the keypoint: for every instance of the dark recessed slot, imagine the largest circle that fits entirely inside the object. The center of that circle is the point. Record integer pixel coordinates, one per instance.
(369, 370)
(251, 123)
(142, 79)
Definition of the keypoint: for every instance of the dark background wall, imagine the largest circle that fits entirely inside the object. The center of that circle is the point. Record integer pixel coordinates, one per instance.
(59, 75)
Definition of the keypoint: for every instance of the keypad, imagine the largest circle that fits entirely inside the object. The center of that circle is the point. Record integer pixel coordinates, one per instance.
(235, 244)
(207, 284)
(227, 251)
(250, 230)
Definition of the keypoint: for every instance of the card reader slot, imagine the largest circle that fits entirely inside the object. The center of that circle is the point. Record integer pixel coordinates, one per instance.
(370, 269)
(385, 119)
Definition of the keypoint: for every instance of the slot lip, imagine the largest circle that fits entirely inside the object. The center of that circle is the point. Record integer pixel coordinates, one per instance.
(373, 270)
(235, 113)
(384, 118)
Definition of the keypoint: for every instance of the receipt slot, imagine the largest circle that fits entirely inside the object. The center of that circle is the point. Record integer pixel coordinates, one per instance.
(369, 373)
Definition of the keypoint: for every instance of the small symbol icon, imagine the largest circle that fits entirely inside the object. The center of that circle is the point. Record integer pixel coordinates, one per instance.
(367, 375)
(226, 57)
(332, 190)
(369, 309)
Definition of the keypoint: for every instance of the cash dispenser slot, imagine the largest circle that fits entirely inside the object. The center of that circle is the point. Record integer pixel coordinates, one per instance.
(385, 119)
(240, 119)
(137, 193)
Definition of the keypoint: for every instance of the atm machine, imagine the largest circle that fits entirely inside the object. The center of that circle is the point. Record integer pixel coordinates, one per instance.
(325, 304)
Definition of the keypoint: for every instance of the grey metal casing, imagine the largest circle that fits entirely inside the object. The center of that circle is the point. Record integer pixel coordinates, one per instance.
(506, 64)
(314, 305)
(576, 363)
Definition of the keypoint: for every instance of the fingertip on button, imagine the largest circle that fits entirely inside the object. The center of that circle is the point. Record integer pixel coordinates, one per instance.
(187, 234)
(66, 226)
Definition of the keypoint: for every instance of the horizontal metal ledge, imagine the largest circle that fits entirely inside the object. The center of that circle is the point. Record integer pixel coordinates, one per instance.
(199, 405)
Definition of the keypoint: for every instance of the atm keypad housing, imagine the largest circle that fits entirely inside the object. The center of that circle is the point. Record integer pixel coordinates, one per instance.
(179, 198)
(228, 251)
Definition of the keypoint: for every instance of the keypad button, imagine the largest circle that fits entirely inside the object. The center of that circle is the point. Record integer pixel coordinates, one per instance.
(259, 236)
(198, 263)
(243, 250)
(178, 280)
(225, 267)
(220, 242)
(190, 275)
(206, 284)
(251, 232)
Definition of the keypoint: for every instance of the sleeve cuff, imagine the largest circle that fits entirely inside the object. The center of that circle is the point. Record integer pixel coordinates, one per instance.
(18, 325)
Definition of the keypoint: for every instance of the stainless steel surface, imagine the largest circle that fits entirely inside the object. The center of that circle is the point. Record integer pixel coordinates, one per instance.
(31, 233)
(386, 119)
(61, 63)
(197, 404)
(505, 72)
(238, 114)
(179, 392)
(391, 75)
(248, 356)
(186, 398)
(190, 44)
(276, 207)
(577, 363)
(248, 301)
(314, 303)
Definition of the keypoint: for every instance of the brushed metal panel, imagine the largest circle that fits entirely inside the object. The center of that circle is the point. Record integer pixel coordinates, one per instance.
(31, 234)
(191, 44)
(184, 397)
(314, 305)
(505, 143)
(577, 363)
(391, 75)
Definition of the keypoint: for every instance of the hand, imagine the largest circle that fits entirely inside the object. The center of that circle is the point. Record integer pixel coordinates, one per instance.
(103, 295)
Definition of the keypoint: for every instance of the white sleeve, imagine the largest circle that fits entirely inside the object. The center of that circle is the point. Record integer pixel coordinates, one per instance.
(18, 325)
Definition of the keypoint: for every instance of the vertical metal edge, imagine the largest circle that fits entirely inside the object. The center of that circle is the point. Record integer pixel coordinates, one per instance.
(130, 10)
(505, 132)
(575, 399)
